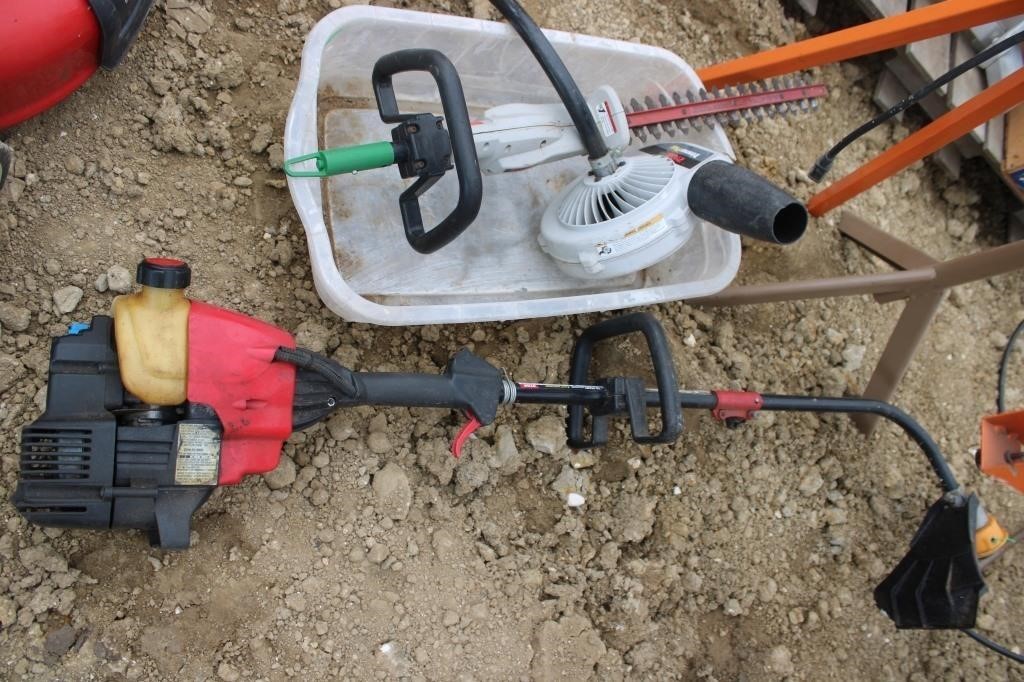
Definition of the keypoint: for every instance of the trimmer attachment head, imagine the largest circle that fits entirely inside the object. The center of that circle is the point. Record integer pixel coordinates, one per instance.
(938, 583)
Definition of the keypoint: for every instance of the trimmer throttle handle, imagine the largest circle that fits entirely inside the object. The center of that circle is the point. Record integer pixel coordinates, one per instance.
(423, 149)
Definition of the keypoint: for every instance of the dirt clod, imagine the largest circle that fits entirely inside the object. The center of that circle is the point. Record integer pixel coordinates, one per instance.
(282, 476)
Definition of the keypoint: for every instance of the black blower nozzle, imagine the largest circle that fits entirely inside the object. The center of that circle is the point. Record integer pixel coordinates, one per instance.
(741, 201)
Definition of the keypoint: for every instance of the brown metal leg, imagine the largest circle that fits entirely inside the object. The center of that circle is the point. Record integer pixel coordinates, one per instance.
(892, 250)
(900, 284)
(988, 263)
(917, 315)
(922, 280)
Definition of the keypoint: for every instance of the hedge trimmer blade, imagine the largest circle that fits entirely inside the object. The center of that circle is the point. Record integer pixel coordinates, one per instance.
(751, 101)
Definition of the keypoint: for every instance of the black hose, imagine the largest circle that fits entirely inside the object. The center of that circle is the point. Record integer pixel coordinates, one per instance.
(998, 648)
(824, 163)
(1004, 363)
(5, 162)
(559, 76)
(336, 375)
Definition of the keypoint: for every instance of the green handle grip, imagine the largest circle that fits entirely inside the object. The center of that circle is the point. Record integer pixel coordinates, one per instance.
(343, 160)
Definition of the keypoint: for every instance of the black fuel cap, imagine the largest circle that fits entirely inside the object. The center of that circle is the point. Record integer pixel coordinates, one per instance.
(164, 273)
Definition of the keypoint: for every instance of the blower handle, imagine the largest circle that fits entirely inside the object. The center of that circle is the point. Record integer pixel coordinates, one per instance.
(343, 160)
(741, 201)
(422, 149)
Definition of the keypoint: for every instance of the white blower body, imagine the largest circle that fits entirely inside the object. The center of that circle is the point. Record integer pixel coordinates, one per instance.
(596, 228)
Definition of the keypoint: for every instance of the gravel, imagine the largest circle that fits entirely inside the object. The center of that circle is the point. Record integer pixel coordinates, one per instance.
(14, 318)
(119, 279)
(66, 299)
(282, 476)
(392, 491)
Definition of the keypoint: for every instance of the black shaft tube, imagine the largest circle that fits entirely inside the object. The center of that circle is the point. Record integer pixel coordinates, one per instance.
(559, 76)
(783, 403)
(555, 394)
(473, 386)
(741, 201)
(401, 389)
(595, 395)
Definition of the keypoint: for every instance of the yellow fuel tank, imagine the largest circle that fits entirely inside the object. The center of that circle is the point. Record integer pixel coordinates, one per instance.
(151, 331)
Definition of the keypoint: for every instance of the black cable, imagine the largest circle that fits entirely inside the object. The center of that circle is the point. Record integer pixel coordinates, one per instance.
(824, 163)
(557, 73)
(340, 377)
(998, 648)
(1004, 362)
(5, 162)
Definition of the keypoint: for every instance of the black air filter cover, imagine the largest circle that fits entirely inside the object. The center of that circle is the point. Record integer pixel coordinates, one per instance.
(97, 458)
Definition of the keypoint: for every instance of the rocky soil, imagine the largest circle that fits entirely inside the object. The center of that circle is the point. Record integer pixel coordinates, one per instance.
(370, 553)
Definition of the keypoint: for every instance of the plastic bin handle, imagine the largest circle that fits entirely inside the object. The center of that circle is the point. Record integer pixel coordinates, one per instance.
(460, 132)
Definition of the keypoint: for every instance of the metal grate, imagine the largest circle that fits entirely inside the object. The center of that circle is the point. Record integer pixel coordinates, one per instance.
(55, 454)
(635, 183)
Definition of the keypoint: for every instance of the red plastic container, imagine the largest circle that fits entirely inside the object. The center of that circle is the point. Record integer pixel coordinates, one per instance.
(49, 48)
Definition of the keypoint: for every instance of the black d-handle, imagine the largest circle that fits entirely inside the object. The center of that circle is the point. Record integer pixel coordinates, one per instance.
(664, 373)
(428, 154)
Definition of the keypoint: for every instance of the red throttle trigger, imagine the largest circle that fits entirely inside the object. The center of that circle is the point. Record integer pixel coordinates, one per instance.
(464, 434)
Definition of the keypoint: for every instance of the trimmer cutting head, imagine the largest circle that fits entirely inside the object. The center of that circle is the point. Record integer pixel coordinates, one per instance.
(938, 583)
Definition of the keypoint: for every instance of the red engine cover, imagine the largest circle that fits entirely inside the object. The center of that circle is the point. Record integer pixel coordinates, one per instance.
(47, 49)
(231, 369)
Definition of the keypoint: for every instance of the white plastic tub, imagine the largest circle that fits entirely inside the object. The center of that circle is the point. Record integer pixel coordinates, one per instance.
(363, 267)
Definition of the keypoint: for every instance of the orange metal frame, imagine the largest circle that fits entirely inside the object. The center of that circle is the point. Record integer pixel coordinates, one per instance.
(1000, 455)
(938, 19)
(992, 102)
(927, 22)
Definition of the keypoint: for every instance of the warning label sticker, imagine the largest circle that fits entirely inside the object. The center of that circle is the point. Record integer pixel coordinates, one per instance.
(198, 455)
(603, 116)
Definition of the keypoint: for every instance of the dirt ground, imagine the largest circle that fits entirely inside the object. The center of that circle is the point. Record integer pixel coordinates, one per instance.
(746, 554)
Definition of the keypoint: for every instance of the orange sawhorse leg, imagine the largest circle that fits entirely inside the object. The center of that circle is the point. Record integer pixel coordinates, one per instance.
(992, 102)
(942, 17)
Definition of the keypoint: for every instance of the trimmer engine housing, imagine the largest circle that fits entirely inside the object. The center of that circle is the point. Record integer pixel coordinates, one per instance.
(97, 458)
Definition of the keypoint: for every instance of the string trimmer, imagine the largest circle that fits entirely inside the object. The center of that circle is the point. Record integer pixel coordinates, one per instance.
(149, 411)
(630, 211)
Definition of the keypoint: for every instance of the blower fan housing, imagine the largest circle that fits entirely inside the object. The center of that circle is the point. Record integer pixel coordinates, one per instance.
(599, 228)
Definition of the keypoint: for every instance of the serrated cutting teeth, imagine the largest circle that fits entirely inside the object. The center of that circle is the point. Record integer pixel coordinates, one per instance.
(667, 126)
(652, 129)
(774, 97)
(709, 121)
(681, 124)
(696, 121)
(639, 132)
